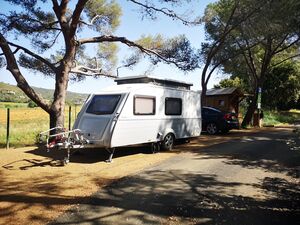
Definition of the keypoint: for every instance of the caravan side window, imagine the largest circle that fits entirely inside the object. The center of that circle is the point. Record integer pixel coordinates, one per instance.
(103, 104)
(173, 106)
(144, 105)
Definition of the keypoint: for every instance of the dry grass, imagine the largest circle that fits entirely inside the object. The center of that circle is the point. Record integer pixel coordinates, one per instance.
(25, 124)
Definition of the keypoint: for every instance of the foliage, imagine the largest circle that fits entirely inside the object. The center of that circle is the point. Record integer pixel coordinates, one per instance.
(225, 83)
(282, 88)
(175, 50)
(32, 104)
(63, 26)
(280, 117)
(270, 32)
(221, 20)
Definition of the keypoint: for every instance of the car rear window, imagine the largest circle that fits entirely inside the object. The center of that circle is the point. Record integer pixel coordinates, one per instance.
(103, 104)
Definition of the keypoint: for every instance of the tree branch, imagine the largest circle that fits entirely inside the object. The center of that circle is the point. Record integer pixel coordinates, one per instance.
(91, 23)
(286, 59)
(87, 71)
(166, 12)
(110, 38)
(76, 16)
(12, 66)
(287, 46)
(53, 42)
(27, 51)
(14, 52)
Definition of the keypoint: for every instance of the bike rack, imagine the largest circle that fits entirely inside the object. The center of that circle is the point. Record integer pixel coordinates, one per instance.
(63, 139)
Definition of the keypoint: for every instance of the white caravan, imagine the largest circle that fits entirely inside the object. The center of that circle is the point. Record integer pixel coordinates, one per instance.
(140, 110)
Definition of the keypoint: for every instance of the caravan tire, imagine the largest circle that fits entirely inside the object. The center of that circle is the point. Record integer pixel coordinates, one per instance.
(168, 142)
(155, 147)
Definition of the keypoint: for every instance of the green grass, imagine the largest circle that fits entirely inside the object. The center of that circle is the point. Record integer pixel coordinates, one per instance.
(13, 105)
(282, 117)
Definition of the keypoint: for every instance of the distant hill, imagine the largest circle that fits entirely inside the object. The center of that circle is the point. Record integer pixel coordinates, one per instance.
(11, 93)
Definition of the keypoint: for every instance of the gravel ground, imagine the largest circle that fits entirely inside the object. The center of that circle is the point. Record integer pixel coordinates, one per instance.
(35, 188)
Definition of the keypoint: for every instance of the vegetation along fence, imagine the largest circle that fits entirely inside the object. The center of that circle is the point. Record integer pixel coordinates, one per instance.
(19, 124)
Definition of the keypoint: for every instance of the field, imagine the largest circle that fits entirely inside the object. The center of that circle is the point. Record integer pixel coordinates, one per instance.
(26, 123)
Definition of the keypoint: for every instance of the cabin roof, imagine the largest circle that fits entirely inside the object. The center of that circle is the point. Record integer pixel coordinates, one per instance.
(153, 80)
(223, 91)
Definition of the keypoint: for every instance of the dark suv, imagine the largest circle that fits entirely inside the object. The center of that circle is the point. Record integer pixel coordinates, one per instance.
(214, 120)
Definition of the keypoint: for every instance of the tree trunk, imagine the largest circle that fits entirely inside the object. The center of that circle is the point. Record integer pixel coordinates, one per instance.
(57, 111)
(250, 111)
(203, 95)
(57, 118)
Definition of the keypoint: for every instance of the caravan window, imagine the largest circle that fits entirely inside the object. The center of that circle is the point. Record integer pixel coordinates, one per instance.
(173, 106)
(144, 105)
(103, 104)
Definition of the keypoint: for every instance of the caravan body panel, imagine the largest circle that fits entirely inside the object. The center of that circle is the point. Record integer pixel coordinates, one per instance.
(144, 113)
(136, 129)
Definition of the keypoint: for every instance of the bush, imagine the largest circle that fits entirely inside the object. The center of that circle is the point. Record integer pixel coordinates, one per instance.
(32, 104)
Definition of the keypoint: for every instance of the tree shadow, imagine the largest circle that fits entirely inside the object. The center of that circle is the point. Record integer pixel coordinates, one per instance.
(27, 201)
(281, 155)
(176, 197)
(168, 196)
(91, 155)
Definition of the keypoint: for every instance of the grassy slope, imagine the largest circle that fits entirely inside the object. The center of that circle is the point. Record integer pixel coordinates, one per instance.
(20, 97)
(284, 117)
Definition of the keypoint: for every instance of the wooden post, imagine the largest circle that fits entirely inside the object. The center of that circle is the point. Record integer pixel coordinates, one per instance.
(70, 115)
(7, 128)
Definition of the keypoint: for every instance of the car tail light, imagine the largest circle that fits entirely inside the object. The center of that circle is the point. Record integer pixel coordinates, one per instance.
(227, 116)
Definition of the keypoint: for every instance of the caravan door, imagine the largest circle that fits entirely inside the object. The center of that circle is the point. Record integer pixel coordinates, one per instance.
(98, 117)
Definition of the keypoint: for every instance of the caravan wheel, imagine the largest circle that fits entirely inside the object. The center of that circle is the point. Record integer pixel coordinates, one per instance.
(168, 142)
(155, 147)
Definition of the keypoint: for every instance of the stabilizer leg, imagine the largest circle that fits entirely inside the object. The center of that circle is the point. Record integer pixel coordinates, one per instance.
(111, 154)
(67, 159)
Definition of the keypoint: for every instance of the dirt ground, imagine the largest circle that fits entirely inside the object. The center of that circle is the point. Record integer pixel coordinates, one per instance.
(35, 188)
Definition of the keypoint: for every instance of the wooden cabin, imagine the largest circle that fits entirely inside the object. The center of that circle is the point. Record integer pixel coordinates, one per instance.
(225, 99)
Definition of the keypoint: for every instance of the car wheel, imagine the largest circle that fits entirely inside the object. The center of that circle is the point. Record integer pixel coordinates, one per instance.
(212, 128)
(168, 142)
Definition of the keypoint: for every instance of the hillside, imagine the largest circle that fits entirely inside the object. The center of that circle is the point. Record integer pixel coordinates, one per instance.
(11, 93)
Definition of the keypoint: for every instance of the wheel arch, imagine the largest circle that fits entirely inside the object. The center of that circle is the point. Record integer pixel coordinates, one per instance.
(169, 131)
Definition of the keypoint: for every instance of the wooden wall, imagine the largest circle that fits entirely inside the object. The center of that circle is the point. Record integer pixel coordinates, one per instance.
(228, 103)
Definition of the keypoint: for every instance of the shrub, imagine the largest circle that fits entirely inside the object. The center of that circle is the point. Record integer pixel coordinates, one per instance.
(32, 104)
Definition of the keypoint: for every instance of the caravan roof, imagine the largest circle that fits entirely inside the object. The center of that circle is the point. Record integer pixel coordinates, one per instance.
(153, 80)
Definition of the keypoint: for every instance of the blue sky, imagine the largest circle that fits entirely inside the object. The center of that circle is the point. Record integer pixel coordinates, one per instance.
(133, 26)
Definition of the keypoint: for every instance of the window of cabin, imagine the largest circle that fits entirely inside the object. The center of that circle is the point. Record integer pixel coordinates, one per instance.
(221, 103)
(173, 106)
(144, 105)
(103, 104)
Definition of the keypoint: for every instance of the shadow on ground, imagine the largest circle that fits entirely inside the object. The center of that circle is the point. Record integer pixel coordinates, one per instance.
(171, 196)
(282, 153)
(94, 155)
(176, 196)
(186, 198)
